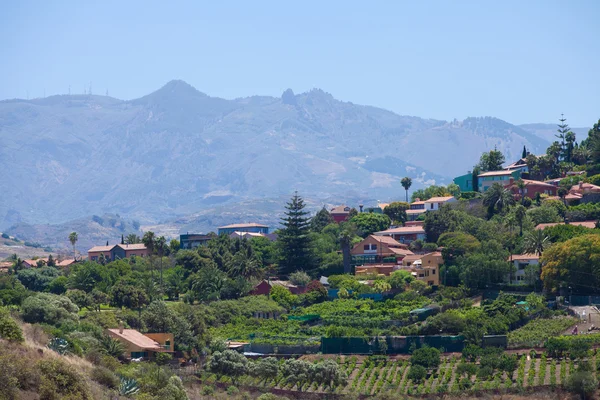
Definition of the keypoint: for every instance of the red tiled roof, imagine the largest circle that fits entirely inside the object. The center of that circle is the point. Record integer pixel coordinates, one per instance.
(250, 225)
(101, 249)
(439, 199)
(585, 224)
(386, 240)
(539, 183)
(401, 252)
(340, 210)
(419, 211)
(136, 338)
(65, 263)
(496, 173)
(136, 246)
(412, 258)
(402, 230)
(417, 202)
(523, 257)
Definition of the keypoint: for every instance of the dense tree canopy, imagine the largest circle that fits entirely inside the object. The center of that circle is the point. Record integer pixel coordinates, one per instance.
(574, 263)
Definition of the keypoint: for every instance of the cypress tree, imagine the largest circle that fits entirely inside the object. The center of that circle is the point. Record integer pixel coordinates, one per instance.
(524, 155)
(294, 240)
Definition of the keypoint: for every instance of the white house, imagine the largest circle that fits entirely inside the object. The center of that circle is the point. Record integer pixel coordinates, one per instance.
(434, 203)
(521, 262)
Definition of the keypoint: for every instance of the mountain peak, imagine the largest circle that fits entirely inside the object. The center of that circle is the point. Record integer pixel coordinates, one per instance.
(177, 86)
(175, 90)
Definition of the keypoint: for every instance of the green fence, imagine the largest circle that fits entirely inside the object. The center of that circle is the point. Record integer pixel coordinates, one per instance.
(395, 344)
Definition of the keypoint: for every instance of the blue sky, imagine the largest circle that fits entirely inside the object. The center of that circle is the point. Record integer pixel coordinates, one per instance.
(522, 61)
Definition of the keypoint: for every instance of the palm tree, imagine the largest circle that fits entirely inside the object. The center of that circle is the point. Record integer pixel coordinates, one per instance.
(562, 193)
(497, 198)
(521, 185)
(149, 241)
(132, 238)
(520, 213)
(570, 144)
(161, 243)
(406, 183)
(346, 235)
(73, 239)
(244, 263)
(536, 242)
(111, 347)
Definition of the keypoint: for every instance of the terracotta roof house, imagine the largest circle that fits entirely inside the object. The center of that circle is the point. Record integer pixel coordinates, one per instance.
(519, 165)
(425, 268)
(405, 234)
(193, 240)
(118, 251)
(264, 287)
(33, 263)
(521, 262)
(250, 227)
(379, 249)
(5, 266)
(416, 208)
(376, 269)
(340, 213)
(65, 263)
(584, 188)
(138, 345)
(531, 189)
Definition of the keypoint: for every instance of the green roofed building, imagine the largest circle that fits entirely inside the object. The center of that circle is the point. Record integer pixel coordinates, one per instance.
(465, 182)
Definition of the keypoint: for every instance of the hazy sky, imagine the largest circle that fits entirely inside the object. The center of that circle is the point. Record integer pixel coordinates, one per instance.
(522, 61)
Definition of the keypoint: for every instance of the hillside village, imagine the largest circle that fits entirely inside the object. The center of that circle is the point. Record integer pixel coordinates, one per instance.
(487, 284)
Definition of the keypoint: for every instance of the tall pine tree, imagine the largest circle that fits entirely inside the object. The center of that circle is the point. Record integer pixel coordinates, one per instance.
(294, 239)
(563, 129)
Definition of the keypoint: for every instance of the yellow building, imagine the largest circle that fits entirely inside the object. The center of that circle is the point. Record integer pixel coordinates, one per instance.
(425, 268)
(138, 345)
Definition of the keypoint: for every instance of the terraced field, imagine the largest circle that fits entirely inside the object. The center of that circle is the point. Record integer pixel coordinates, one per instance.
(370, 378)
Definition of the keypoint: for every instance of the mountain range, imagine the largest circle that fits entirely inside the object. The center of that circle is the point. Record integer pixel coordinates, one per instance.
(178, 152)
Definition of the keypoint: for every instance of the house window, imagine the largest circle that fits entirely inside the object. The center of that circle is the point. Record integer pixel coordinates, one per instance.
(367, 247)
(432, 206)
(433, 272)
(168, 343)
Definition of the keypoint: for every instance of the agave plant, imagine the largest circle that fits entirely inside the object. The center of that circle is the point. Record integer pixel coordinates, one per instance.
(59, 345)
(128, 387)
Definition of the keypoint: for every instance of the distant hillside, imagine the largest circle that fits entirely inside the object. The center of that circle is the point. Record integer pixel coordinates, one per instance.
(23, 249)
(91, 231)
(548, 132)
(178, 151)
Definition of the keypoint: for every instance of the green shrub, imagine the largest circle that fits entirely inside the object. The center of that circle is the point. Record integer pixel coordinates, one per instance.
(9, 329)
(49, 308)
(105, 377)
(232, 390)
(581, 382)
(417, 373)
(484, 373)
(60, 381)
(163, 358)
(174, 390)
(466, 369)
(208, 390)
(428, 357)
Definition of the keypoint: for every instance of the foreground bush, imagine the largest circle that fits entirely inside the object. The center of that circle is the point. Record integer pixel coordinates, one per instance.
(105, 377)
(9, 329)
(60, 381)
